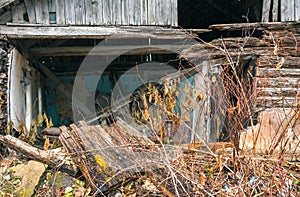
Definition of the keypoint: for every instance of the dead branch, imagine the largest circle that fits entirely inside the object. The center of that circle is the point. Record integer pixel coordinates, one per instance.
(49, 157)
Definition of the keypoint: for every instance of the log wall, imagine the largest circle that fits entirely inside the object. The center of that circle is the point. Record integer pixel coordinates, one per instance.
(92, 12)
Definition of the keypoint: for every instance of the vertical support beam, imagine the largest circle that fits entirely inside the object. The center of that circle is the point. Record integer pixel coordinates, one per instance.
(28, 104)
(40, 95)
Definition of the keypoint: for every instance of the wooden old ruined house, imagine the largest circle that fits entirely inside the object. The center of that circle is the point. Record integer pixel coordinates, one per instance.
(43, 43)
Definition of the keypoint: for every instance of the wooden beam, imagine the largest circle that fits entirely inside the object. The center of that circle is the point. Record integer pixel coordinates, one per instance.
(106, 50)
(257, 26)
(22, 31)
(4, 3)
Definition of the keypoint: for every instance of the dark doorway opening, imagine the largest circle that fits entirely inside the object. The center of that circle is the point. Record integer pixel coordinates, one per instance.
(201, 14)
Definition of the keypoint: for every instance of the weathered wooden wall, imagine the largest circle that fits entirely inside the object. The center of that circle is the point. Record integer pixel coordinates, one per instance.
(92, 12)
(280, 10)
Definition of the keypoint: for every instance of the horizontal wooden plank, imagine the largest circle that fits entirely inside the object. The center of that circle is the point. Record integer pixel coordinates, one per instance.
(273, 72)
(105, 50)
(284, 91)
(278, 82)
(272, 102)
(4, 3)
(283, 62)
(44, 32)
(256, 26)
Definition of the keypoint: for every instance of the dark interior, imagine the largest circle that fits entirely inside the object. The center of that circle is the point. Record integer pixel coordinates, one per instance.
(201, 14)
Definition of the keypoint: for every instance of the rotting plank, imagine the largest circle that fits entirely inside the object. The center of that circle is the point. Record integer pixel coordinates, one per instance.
(274, 72)
(43, 32)
(277, 82)
(95, 153)
(274, 102)
(29, 4)
(266, 10)
(60, 12)
(70, 12)
(278, 91)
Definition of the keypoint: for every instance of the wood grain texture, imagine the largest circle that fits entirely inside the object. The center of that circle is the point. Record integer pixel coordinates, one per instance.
(297, 10)
(152, 12)
(275, 10)
(17, 13)
(70, 12)
(79, 12)
(89, 19)
(284, 10)
(100, 12)
(175, 13)
(60, 12)
(6, 17)
(29, 5)
(266, 10)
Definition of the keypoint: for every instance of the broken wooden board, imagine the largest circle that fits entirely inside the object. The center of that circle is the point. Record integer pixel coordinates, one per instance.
(108, 155)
